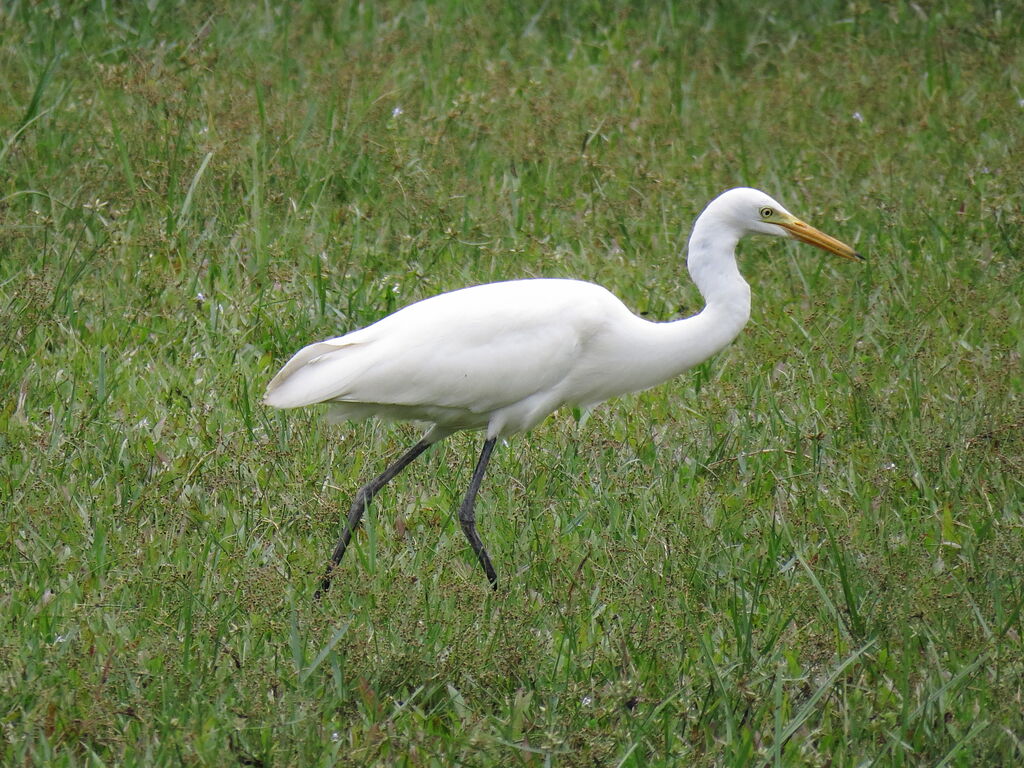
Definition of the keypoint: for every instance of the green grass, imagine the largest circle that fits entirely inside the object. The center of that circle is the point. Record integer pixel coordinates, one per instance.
(805, 552)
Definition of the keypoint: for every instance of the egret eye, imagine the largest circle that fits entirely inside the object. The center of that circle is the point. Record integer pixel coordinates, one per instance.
(767, 213)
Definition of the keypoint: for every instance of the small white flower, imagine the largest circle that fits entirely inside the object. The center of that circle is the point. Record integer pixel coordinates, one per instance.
(397, 111)
(858, 117)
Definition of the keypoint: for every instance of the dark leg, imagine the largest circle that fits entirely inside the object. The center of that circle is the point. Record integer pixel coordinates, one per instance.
(359, 505)
(467, 519)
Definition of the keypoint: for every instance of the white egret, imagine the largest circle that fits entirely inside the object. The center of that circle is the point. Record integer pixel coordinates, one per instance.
(501, 357)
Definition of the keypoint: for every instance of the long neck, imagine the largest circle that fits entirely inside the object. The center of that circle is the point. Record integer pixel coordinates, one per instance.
(711, 261)
(712, 265)
(645, 354)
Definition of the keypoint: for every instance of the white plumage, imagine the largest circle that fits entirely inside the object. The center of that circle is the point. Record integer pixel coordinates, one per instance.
(501, 357)
(498, 357)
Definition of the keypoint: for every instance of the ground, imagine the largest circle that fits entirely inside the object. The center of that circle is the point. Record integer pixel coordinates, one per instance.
(805, 552)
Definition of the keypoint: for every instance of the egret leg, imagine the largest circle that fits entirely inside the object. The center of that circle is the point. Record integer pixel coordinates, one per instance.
(359, 505)
(467, 518)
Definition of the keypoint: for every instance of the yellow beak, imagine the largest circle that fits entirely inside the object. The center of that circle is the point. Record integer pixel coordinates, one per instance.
(806, 233)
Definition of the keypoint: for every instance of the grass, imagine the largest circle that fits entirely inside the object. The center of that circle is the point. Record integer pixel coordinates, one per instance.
(805, 552)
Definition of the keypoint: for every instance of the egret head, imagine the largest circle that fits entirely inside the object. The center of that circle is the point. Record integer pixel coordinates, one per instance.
(751, 211)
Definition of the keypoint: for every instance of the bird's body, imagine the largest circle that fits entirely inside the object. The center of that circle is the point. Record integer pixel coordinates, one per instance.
(500, 357)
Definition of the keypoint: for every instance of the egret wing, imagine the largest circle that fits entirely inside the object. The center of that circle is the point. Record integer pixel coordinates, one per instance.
(476, 350)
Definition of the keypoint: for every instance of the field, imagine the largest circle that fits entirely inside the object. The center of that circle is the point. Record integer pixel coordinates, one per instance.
(807, 551)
